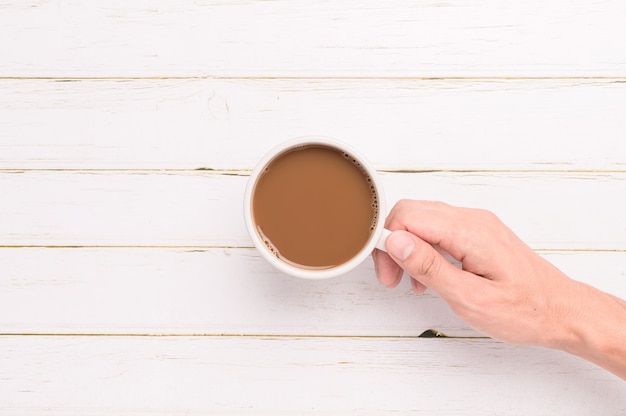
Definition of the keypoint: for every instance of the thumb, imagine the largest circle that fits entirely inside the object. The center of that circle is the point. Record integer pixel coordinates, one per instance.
(424, 263)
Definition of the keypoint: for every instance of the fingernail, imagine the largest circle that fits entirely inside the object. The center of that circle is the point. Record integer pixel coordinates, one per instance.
(400, 245)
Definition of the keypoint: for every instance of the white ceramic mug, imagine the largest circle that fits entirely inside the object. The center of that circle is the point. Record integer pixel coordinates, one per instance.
(377, 237)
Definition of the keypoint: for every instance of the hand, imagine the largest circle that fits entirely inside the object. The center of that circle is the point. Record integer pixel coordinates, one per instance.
(505, 290)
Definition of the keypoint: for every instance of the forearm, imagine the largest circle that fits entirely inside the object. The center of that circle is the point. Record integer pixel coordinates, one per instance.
(598, 330)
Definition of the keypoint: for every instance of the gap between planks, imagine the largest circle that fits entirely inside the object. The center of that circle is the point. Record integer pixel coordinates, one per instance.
(429, 333)
(247, 172)
(204, 248)
(321, 78)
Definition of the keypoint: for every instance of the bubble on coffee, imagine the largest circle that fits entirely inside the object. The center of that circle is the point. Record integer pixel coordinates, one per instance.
(372, 189)
(315, 207)
(267, 242)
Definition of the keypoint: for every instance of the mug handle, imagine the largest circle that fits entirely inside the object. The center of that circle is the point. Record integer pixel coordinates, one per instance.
(380, 244)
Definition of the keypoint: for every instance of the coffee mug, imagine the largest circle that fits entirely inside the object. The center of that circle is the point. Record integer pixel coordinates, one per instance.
(314, 208)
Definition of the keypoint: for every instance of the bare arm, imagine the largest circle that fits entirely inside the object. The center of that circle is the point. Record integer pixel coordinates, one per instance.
(505, 290)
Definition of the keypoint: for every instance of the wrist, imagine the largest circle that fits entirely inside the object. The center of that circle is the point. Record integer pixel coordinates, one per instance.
(571, 330)
(594, 329)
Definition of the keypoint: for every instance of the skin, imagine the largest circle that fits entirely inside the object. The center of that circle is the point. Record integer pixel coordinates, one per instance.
(505, 289)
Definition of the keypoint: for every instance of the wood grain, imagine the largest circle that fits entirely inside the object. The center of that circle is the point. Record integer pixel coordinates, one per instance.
(549, 210)
(420, 125)
(156, 375)
(311, 38)
(228, 291)
(127, 131)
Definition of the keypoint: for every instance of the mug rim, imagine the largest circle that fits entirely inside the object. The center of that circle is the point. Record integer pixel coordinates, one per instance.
(258, 242)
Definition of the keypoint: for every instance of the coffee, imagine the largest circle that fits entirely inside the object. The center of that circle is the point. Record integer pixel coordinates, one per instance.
(314, 207)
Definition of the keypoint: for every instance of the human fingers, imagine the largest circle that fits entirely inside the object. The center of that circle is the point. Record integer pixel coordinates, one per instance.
(434, 222)
(417, 286)
(388, 272)
(428, 267)
(474, 237)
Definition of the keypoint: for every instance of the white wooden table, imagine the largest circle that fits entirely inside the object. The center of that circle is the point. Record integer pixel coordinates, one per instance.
(128, 284)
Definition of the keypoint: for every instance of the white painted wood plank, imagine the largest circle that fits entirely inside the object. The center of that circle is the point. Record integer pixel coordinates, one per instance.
(278, 38)
(250, 375)
(367, 64)
(549, 210)
(230, 124)
(228, 291)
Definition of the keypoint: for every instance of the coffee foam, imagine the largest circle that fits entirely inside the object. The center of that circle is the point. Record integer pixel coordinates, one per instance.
(371, 185)
(274, 250)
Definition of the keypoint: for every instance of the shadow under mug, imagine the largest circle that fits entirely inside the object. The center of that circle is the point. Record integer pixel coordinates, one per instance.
(377, 237)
